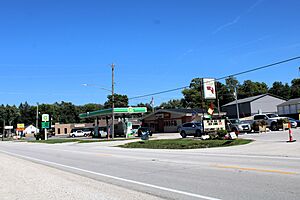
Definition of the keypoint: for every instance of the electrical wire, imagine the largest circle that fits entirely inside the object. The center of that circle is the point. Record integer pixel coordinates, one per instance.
(221, 78)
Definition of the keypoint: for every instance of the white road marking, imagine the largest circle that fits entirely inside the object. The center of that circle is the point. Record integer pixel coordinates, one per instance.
(113, 177)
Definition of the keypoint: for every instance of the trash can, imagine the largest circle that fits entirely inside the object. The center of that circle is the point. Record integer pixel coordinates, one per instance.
(145, 135)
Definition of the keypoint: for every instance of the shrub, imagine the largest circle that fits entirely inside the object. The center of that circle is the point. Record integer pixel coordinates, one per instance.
(222, 133)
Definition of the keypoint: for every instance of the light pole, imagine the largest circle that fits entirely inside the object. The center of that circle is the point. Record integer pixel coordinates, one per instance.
(113, 100)
(37, 116)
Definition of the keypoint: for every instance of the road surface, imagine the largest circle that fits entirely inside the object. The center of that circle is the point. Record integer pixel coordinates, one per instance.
(268, 168)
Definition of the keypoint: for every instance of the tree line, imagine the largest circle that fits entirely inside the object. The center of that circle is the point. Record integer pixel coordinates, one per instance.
(66, 112)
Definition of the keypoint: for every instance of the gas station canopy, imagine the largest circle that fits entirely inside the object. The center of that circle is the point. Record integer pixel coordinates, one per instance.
(117, 111)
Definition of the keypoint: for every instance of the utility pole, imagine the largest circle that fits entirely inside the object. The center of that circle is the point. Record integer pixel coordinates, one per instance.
(37, 116)
(237, 105)
(113, 100)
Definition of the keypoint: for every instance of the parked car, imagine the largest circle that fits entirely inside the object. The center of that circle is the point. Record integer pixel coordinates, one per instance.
(294, 123)
(191, 129)
(142, 130)
(236, 125)
(88, 131)
(78, 133)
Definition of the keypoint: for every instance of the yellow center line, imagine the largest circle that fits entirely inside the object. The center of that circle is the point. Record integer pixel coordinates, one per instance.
(256, 169)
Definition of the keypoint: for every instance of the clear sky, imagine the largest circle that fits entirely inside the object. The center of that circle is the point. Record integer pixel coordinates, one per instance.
(49, 48)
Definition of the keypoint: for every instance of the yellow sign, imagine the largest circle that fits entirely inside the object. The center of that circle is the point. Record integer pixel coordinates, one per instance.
(20, 127)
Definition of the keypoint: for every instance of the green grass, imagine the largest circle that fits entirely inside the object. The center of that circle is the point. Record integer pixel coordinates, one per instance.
(184, 143)
(65, 140)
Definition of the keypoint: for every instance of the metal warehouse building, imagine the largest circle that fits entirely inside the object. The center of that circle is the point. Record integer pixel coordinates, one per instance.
(265, 103)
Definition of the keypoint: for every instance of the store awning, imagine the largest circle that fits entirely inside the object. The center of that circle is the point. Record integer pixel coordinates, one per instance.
(117, 111)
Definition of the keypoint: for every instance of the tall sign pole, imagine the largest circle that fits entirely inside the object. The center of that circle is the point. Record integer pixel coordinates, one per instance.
(236, 103)
(113, 100)
(37, 116)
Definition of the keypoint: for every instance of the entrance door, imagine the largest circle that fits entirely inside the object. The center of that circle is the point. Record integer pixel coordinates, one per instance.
(161, 125)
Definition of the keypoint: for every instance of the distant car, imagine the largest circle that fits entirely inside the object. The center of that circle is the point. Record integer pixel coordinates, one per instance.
(236, 125)
(293, 122)
(142, 130)
(78, 133)
(191, 129)
(88, 131)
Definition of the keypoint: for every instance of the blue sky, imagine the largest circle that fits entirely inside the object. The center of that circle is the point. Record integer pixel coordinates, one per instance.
(49, 48)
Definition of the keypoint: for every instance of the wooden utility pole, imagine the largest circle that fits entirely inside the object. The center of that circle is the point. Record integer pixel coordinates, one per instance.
(113, 100)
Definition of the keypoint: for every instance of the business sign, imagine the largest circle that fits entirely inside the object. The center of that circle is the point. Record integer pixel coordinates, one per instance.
(20, 127)
(45, 124)
(45, 118)
(209, 88)
(8, 127)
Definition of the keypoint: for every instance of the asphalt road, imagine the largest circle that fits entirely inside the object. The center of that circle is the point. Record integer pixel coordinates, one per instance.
(266, 169)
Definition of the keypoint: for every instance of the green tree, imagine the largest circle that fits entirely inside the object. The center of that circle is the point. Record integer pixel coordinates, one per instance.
(249, 88)
(225, 95)
(231, 84)
(147, 105)
(174, 103)
(295, 88)
(120, 101)
(27, 114)
(192, 95)
(281, 90)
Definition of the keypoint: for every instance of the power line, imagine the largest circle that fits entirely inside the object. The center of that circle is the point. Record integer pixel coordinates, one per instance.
(224, 77)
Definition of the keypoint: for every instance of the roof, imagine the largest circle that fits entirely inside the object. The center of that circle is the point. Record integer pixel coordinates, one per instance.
(107, 112)
(291, 102)
(183, 110)
(249, 99)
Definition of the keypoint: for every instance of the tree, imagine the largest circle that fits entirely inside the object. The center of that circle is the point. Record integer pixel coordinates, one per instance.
(147, 105)
(225, 95)
(295, 88)
(192, 96)
(174, 103)
(120, 101)
(27, 114)
(249, 88)
(231, 84)
(88, 108)
(281, 90)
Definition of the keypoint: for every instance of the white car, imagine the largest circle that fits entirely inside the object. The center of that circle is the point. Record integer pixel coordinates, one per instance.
(78, 133)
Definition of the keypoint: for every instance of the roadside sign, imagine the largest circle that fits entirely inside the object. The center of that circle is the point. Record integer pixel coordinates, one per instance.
(8, 127)
(45, 117)
(45, 124)
(20, 127)
(209, 88)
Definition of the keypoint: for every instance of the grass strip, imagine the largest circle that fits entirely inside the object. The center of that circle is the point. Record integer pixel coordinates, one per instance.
(184, 143)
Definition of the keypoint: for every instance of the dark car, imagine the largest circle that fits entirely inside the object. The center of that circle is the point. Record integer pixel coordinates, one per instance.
(142, 130)
(294, 123)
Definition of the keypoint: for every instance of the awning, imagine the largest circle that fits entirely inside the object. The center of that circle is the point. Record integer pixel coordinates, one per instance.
(117, 111)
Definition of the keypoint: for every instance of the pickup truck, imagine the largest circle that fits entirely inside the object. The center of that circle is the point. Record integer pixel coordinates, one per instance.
(270, 118)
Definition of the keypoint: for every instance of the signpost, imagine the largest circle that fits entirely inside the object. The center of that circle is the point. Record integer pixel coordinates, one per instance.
(45, 123)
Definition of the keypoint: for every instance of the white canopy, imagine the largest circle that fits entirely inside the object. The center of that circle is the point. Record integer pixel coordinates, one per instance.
(31, 130)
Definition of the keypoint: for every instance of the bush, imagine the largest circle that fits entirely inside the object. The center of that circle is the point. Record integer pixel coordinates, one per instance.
(222, 133)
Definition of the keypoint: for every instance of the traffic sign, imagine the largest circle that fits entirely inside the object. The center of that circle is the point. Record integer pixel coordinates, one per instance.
(45, 124)
(45, 117)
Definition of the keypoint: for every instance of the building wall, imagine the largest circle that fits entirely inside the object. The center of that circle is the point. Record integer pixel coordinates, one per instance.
(267, 104)
(289, 109)
(244, 110)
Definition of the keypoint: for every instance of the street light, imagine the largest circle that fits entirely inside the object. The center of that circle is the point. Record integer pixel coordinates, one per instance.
(113, 100)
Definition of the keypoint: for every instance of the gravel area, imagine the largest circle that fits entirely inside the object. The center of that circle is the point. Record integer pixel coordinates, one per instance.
(24, 180)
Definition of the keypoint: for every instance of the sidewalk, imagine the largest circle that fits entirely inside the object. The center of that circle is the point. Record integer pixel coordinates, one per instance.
(21, 179)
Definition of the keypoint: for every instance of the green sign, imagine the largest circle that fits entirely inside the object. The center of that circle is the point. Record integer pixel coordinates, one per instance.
(45, 124)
